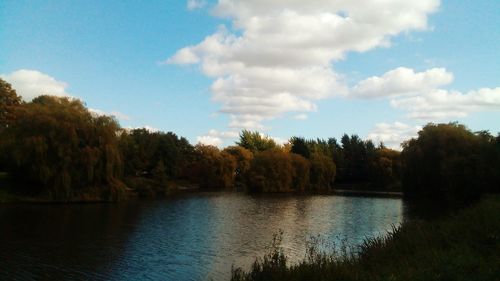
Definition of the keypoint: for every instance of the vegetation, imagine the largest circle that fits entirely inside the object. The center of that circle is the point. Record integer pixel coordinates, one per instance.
(449, 166)
(464, 246)
(56, 148)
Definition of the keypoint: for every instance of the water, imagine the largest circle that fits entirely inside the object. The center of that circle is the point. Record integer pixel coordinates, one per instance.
(189, 237)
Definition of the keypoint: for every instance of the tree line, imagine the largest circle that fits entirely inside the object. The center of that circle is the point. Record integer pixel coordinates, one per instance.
(55, 147)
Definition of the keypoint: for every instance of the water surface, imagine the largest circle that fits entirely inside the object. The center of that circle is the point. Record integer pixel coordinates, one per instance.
(188, 237)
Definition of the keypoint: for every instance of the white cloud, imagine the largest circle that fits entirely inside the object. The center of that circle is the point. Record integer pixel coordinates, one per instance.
(209, 140)
(401, 81)
(32, 83)
(146, 127)
(195, 4)
(419, 94)
(118, 115)
(441, 104)
(214, 137)
(392, 135)
(280, 57)
(300, 116)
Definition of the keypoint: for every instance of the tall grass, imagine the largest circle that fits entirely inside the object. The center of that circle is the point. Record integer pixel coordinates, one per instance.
(463, 246)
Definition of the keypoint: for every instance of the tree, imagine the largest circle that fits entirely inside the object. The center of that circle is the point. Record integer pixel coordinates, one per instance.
(300, 147)
(213, 168)
(255, 142)
(444, 166)
(271, 171)
(8, 100)
(57, 147)
(243, 159)
(301, 170)
(322, 173)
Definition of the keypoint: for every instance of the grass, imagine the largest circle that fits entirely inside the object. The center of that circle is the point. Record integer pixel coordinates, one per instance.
(463, 246)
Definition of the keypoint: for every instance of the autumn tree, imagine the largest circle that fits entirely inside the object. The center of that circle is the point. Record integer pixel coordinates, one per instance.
(58, 148)
(213, 168)
(271, 171)
(322, 174)
(243, 159)
(8, 100)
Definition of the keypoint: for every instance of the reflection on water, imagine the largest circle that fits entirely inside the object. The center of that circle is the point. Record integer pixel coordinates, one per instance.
(190, 237)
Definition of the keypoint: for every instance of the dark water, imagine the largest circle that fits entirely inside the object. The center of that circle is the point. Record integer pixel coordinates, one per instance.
(190, 237)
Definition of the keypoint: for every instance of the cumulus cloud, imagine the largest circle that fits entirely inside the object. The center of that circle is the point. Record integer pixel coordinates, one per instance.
(392, 135)
(279, 57)
(214, 137)
(401, 81)
(195, 4)
(146, 127)
(32, 83)
(118, 115)
(422, 96)
(441, 104)
(300, 116)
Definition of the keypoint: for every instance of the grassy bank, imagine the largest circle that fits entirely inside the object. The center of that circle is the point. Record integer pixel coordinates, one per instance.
(464, 246)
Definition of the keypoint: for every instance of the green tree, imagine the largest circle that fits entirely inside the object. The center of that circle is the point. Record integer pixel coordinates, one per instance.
(8, 100)
(300, 147)
(444, 166)
(57, 147)
(255, 142)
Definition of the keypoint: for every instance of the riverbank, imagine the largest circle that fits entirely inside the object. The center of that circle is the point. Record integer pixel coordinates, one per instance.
(463, 246)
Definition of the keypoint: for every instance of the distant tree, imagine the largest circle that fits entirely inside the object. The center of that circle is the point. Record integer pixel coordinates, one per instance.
(213, 168)
(300, 147)
(8, 100)
(243, 159)
(56, 147)
(322, 173)
(445, 165)
(255, 142)
(301, 171)
(385, 169)
(271, 171)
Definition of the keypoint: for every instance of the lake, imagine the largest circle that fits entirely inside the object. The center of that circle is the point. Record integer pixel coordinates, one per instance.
(186, 237)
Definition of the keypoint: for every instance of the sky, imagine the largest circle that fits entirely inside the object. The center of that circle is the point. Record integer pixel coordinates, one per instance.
(206, 70)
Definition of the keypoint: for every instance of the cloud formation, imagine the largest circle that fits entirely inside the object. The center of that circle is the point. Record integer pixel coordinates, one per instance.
(392, 135)
(32, 83)
(439, 104)
(279, 57)
(401, 81)
(118, 115)
(216, 138)
(422, 96)
(195, 4)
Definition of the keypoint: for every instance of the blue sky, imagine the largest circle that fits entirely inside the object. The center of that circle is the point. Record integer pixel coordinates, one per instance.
(126, 58)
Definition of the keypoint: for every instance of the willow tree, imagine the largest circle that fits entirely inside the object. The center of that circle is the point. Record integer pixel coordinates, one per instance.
(58, 148)
(8, 101)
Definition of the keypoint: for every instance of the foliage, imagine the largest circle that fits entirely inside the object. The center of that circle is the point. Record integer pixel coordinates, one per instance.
(323, 172)
(301, 171)
(8, 100)
(271, 171)
(57, 147)
(255, 142)
(461, 247)
(144, 150)
(448, 166)
(243, 159)
(213, 168)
